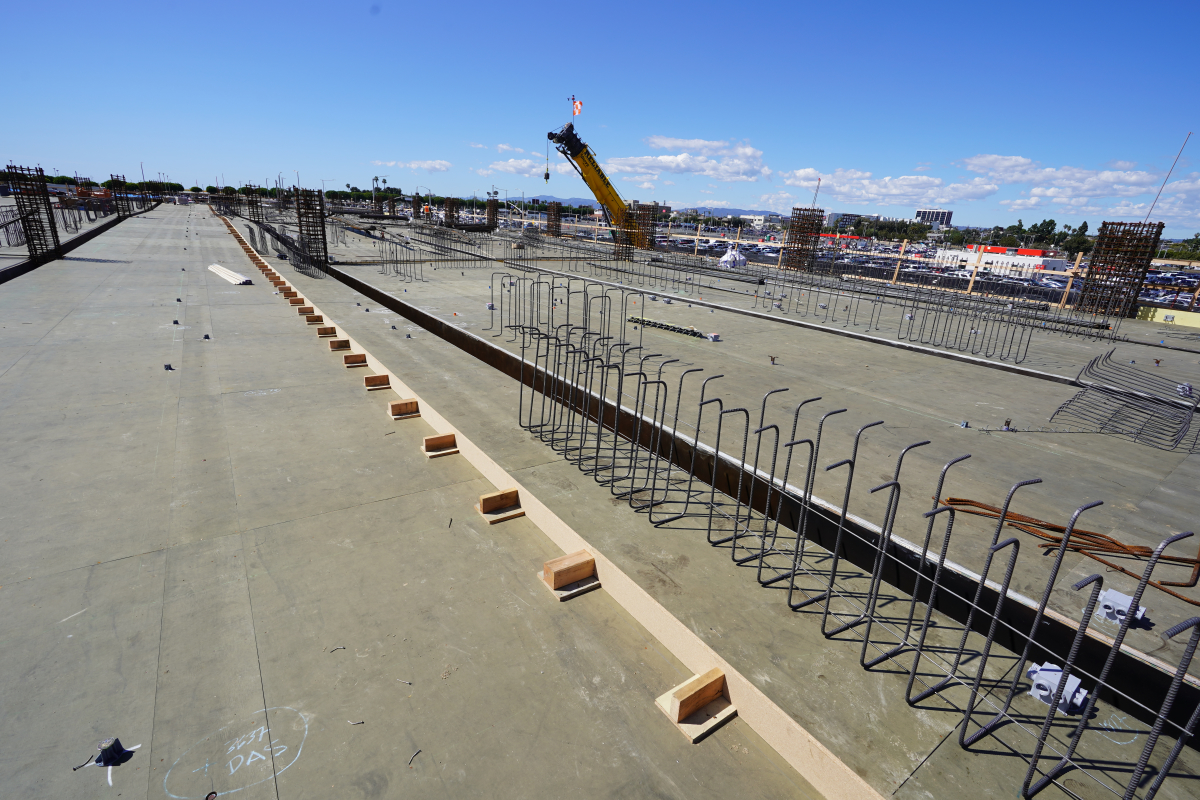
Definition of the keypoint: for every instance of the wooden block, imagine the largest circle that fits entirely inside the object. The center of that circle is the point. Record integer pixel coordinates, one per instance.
(314, 319)
(442, 445)
(404, 409)
(501, 499)
(692, 695)
(581, 586)
(374, 383)
(325, 333)
(558, 572)
(296, 301)
(275, 281)
(339, 344)
(700, 705)
(355, 360)
(500, 506)
(304, 310)
(288, 294)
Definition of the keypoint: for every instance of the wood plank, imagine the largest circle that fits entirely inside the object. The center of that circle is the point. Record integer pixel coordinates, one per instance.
(403, 409)
(440, 442)
(558, 572)
(693, 695)
(494, 501)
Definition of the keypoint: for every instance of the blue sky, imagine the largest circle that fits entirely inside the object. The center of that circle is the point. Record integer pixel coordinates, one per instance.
(1068, 111)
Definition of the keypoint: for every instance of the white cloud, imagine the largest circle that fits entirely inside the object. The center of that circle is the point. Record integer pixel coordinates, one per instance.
(483, 172)
(701, 146)
(1022, 204)
(856, 186)
(1189, 184)
(428, 166)
(668, 183)
(1065, 183)
(529, 167)
(504, 148)
(705, 191)
(777, 201)
(1177, 210)
(482, 146)
(647, 185)
(737, 162)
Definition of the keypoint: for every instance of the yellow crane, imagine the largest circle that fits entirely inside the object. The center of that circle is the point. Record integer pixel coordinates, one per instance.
(616, 212)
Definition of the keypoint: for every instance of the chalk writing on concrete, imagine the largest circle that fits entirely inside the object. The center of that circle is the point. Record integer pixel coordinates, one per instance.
(254, 749)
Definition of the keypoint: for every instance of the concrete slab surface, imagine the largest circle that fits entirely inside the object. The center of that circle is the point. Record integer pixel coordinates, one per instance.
(859, 714)
(228, 564)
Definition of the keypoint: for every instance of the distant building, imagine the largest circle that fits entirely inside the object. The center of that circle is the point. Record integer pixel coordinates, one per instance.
(659, 211)
(761, 220)
(1003, 259)
(843, 220)
(937, 217)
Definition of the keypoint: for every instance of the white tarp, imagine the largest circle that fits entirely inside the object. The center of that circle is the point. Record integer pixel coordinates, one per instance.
(732, 259)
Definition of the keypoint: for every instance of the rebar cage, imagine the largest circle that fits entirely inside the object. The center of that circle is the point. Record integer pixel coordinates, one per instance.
(36, 213)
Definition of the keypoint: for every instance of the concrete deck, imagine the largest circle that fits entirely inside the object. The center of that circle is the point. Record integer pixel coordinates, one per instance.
(1148, 494)
(860, 715)
(184, 551)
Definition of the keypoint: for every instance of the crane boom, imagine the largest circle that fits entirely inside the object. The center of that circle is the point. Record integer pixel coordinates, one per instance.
(580, 156)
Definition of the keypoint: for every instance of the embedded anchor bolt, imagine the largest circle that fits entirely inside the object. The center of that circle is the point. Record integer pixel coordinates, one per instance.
(1045, 683)
(1116, 606)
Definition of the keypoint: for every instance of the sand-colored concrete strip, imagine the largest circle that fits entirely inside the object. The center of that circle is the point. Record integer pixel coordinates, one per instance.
(797, 746)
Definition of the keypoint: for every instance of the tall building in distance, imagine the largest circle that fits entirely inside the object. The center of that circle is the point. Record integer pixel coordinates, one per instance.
(937, 217)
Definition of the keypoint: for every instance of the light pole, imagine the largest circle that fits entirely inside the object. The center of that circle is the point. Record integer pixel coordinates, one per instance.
(507, 217)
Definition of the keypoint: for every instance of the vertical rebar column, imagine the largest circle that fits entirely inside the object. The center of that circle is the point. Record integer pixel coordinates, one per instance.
(254, 209)
(120, 194)
(392, 205)
(416, 212)
(451, 212)
(644, 219)
(493, 213)
(1118, 266)
(554, 218)
(310, 219)
(37, 216)
(801, 238)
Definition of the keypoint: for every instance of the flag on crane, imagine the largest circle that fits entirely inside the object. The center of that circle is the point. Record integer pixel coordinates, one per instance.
(576, 106)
